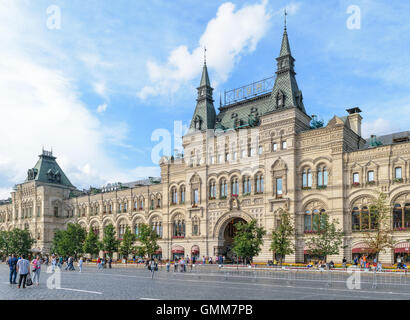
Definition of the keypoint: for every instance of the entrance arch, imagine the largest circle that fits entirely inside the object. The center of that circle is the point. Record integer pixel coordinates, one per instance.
(224, 231)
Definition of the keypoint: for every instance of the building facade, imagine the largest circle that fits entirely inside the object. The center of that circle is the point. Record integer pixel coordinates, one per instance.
(259, 153)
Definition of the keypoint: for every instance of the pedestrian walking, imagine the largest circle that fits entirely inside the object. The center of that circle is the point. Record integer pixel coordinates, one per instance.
(210, 260)
(80, 264)
(36, 270)
(23, 268)
(99, 263)
(344, 261)
(109, 262)
(12, 262)
(152, 267)
(53, 263)
(168, 266)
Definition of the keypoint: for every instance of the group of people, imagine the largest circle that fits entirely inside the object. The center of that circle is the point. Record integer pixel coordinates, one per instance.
(21, 266)
(102, 263)
(216, 260)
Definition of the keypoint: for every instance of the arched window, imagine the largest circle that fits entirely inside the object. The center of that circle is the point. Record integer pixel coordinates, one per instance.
(159, 203)
(223, 188)
(246, 185)
(322, 177)
(307, 179)
(141, 204)
(212, 190)
(259, 183)
(235, 186)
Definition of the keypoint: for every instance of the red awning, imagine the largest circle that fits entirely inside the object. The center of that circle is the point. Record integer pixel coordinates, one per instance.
(195, 250)
(178, 249)
(403, 247)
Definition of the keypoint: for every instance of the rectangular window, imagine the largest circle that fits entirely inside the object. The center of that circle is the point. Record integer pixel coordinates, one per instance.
(196, 196)
(274, 147)
(234, 155)
(355, 177)
(242, 154)
(284, 145)
(55, 211)
(38, 211)
(279, 187)
(220, 159)
(320, 178)
(398, 173)
(260, 150)
(370, 176)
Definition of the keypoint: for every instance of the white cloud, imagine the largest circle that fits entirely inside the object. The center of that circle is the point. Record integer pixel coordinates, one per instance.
(102, 108)
(40, 105)
(100, 89)
(380, 126)
(231, 33)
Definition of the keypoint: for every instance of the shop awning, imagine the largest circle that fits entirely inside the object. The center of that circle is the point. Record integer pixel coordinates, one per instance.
(178, 250)
(402, 247)
(195, 250)
(361, 247)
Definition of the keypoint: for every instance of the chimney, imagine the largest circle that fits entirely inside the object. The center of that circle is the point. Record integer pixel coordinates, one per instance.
(355, 120)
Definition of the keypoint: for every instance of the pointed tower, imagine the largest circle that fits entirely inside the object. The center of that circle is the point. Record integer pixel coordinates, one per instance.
(204, 116)
(285, 93)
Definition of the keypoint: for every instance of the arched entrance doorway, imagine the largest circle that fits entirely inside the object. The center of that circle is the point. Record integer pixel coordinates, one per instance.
(228, 236)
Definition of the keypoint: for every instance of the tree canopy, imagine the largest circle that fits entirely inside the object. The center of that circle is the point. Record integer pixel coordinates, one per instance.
(328, 239)
(147, 237)
(248, 240)
(110, 242)
(69, 242)
(282, 238)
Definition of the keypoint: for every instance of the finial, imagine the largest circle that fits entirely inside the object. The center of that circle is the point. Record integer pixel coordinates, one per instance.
(285, 17)
(220, 99)
(204, 55)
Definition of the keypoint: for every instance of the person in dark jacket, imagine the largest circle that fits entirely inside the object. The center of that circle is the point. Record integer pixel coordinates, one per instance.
(12, 262)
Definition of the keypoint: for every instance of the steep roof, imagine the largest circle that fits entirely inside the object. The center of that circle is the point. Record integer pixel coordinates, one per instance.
(47, 170)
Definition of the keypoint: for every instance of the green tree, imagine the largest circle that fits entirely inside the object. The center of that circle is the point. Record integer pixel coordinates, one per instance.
(248, 240)
(328, 239)
(4, 243)
(20, 242)
(91, 244)
(282, 243)
(380, 237)
(69, 242)
(148, 240)
(110, 242)
(127, 243)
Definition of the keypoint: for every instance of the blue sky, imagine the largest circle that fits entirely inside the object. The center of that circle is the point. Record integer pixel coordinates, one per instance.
(115, 71)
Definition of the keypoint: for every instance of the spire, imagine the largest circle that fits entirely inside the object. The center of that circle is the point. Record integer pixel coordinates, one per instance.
(205, 77)
(285, 48)
(204, 115)
(285, 93)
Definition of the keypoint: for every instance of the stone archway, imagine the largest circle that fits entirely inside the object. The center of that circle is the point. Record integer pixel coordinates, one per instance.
(225, 231)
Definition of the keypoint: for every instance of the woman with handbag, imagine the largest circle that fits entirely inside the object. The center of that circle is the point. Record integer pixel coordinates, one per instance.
(36, 270)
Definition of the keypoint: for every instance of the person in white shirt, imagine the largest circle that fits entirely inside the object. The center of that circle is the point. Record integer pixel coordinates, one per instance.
(23, 268)
(80, 264)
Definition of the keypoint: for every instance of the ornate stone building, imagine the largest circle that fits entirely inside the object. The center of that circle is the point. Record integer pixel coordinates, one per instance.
(259, 153)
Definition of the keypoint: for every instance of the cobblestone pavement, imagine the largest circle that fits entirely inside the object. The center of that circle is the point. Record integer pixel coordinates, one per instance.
(135, 284)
